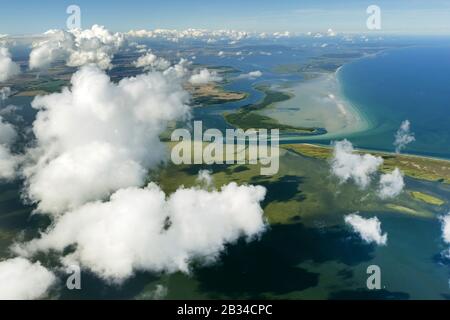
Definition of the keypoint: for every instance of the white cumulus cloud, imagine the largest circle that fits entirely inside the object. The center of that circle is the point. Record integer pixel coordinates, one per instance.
(76, 47)
(22, 280)
(347, 165)
(8, 68)
(142, 229)
(205, 178)
(391, 184)
(445, 220)
(331, 32)
(5, 92)
(251, 75)
(150, 61)
(8, 161)
(204, 76)
(446, 228)
(368, 229)
(209, 36)
(96, 128)
(403, 137)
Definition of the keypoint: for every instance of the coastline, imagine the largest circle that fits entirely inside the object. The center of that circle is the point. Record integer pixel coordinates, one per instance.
(414, 166)
(360, 120)
(319, 102)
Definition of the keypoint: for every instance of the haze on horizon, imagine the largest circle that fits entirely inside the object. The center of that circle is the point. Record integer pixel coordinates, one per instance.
(348, 16)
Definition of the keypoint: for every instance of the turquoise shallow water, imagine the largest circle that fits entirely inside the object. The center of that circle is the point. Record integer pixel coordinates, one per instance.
(409, 83)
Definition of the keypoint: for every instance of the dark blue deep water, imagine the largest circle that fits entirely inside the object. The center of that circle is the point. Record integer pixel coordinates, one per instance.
(410, 83)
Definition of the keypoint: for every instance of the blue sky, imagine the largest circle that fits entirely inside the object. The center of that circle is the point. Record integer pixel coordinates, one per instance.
(398, 16)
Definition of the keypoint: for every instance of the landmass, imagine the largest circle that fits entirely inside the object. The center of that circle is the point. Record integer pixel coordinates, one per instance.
(424, 197)
(300, 190)
(418, 167)
(409, 211)
(211, 93)
(31, 93)
(327, 63)
(248, 117)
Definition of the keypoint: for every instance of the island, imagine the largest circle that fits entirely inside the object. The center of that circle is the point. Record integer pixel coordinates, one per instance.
(248, 117)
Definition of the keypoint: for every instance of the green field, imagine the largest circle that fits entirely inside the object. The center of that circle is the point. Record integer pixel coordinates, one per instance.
(424, 197)
(413, 166)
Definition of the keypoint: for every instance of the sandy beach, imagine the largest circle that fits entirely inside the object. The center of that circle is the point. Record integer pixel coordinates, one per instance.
(319, 103)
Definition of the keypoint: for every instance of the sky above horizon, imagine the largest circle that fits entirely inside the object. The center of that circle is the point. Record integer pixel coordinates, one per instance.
(397, 16)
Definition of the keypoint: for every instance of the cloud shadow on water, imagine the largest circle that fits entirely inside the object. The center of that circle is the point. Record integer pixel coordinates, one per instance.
(93, 287)
(284, 189)
(270, 265)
